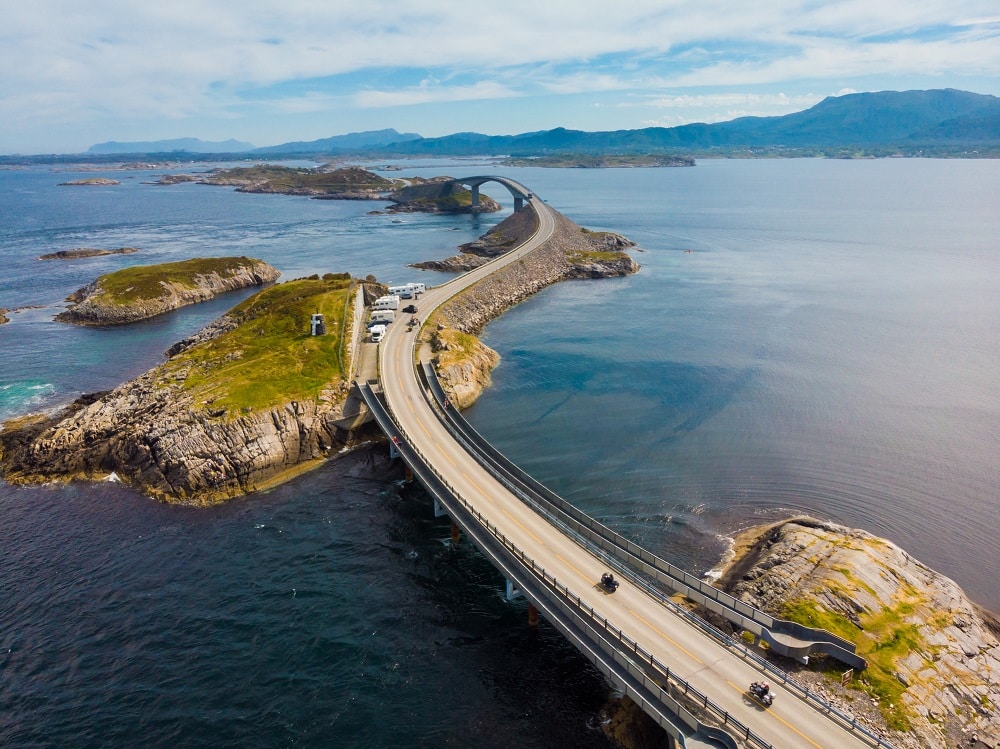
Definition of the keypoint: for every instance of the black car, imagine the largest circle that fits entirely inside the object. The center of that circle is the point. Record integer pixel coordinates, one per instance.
(410, 309)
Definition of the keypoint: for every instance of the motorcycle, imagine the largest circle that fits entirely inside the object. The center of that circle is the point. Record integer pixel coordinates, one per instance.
(761, 692)
(608, 583)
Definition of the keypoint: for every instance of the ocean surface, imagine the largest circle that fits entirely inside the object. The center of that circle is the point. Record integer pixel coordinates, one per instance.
(804, 336)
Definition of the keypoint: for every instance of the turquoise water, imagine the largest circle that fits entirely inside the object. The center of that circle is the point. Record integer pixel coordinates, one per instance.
(816, 336)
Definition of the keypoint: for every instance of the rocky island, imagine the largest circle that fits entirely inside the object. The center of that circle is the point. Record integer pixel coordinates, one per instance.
(332, 182)
(83, 252)
(144, 291)
(91, 182)
(3, 315)
(254, 401)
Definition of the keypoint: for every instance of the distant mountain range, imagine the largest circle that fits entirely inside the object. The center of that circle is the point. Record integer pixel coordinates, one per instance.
(350, 142)
(185, 145)
(910, 120)
(890, 118)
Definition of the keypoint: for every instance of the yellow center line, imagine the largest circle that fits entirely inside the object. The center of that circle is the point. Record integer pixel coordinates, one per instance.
(410, 404)
(421, 425)
(481, 491)
(780, 719)
(665, 636)
(569, 564)
(446, 455)
(522, 527)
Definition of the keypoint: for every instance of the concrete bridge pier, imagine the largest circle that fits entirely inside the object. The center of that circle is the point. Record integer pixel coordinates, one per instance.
(475, 197)
(518, 204)
(456, 532)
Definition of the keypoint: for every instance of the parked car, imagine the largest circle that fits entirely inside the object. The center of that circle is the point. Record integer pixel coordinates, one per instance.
(410, 309)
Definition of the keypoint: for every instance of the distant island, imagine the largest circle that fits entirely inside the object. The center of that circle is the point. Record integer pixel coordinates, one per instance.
(333, 182)
(83, 252)
(132, 294)
(596, 161)
(92, 181)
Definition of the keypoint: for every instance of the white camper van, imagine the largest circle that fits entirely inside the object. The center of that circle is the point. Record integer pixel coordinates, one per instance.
(381, 317)
(378, 332)
(417, 288)
(390, 301)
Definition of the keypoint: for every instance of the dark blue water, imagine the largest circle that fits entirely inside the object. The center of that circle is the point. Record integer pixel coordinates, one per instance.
(829, 344)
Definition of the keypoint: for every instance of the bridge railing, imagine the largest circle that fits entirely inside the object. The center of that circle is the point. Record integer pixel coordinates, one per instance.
(678, 580)
(639, 663)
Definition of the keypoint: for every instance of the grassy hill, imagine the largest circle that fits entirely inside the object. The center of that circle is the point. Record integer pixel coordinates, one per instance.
(270, 358)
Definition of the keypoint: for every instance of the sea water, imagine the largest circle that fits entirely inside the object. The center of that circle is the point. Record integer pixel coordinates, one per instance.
(804, 336)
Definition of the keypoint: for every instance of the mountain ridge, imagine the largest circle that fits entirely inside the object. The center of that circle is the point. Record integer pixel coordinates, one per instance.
(906, 120)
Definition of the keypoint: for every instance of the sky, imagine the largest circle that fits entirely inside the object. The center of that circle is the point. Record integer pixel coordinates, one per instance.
(79, 73)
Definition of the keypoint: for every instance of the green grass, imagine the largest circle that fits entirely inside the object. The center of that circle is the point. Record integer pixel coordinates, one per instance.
(594, 256)
(884, 639)
(144, 281)
(271, 358)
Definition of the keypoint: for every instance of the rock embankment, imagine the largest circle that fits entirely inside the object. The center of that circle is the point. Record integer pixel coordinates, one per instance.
(933, 678)
(571, 252)
(98, 304)
(3, 315)
(157, 440)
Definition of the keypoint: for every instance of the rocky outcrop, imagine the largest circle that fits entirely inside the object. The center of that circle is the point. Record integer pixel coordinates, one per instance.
(93, 305)
(934, 656)
(156, 439)
(93, 181)
(82, 252)
(438, 195)
(464, 364)
(503, 237)
(570, 253)
(3, 315)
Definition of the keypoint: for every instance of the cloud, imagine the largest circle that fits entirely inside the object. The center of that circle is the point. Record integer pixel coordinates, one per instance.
(431, 91)
(118, 59)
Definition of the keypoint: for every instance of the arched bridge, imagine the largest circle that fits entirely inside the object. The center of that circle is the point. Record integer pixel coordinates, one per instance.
(688, 676)
(517, 191)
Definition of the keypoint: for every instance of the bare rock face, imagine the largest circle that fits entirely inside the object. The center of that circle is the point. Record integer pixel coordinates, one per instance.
(466, 377)
(154, 439)
(949, 668)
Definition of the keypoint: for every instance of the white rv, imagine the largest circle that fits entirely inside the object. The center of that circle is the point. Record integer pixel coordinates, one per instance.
(418, 288)
(390, 301)
(378, 332)
(381, 317)
(401, 291)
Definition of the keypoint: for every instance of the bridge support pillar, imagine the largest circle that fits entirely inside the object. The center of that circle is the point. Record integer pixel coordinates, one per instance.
(475, 197)
(532, 615)
(456, 533)
(439, 511)
(512, 590)
(393, 452)
(518, 204)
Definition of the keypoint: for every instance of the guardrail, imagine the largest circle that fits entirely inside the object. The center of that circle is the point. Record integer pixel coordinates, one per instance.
(640, 664)
(678, 580)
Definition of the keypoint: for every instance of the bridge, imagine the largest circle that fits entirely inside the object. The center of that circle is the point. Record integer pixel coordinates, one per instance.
(686, 675)
(517, 191)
